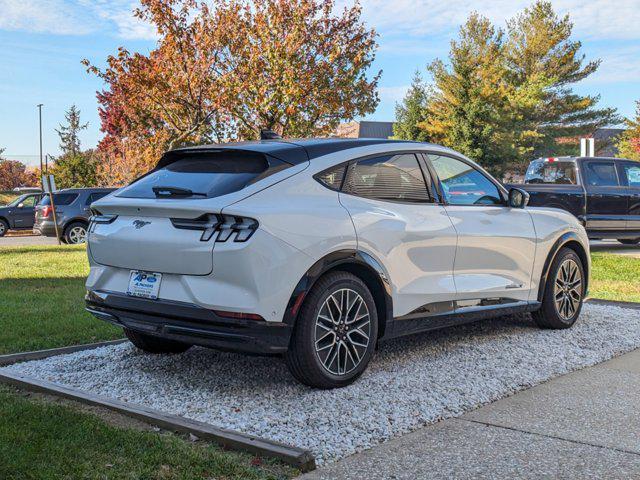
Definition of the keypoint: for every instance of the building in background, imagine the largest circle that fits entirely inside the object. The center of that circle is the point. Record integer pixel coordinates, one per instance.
(365, 129)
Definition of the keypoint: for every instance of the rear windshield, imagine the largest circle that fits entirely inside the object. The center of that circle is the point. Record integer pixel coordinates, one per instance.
(203, 175)
(540, 171)
(59, 199)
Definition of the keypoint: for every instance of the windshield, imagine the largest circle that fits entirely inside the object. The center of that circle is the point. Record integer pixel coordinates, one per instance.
(541, 171)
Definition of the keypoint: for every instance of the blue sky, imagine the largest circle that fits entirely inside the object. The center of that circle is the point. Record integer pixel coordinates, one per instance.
(43, 41)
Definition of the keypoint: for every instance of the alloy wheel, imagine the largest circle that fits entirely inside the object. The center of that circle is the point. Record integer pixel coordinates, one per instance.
(1, 228)
(568, 289)
(77, 235)
(343, 330)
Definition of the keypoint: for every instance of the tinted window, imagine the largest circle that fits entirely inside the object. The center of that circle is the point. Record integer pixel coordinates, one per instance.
(464, 185)
(631, 174)
(601, 174)
(205, 175)
(541, 171)
(332, 177)
(59, 199)
(95, 196)
(390, 177)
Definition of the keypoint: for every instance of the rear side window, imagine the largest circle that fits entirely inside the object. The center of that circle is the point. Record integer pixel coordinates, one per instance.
(563, 173)
(59, 199)
(601, 174)
(332, 177)
(389, 177)
(95, 196)
(202, 175)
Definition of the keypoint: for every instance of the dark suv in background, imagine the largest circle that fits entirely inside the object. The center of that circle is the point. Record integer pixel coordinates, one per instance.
(19, 214)
(72, 213)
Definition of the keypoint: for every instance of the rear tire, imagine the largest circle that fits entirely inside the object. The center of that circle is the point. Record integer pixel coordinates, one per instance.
(4, 227)
(629, 241)
(75, 234)
(152, 344)
(335, 333)
(563, 293)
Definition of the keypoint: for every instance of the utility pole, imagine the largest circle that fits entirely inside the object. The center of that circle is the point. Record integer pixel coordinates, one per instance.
(40, 122)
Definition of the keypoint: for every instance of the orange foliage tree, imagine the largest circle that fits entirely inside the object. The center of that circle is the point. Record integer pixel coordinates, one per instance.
(224, 72)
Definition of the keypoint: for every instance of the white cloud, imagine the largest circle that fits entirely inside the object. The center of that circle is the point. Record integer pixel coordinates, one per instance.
(79, 17)
(43, 16)
(618, 65)
(393, 94)
(596, 19)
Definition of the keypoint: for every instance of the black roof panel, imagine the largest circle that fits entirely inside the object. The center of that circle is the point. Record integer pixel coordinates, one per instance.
(293, 151)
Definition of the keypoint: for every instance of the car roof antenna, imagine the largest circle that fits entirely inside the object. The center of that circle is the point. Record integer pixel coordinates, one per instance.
(268, 134)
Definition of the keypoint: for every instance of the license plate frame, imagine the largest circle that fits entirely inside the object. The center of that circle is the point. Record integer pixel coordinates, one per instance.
(143, 284)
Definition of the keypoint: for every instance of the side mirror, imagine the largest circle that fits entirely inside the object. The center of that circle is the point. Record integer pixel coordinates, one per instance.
(21, 205)
(518, 198)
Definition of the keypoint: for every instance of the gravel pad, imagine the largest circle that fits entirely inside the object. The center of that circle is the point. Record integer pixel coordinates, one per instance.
(411, 382)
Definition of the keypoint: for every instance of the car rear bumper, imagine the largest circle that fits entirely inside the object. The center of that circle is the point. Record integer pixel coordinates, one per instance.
(189, 323)
(46, 229)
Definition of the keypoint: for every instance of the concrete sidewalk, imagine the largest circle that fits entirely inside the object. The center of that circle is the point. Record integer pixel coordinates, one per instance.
(585, 424)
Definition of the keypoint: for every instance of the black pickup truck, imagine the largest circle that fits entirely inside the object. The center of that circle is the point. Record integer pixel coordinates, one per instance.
(604, 193)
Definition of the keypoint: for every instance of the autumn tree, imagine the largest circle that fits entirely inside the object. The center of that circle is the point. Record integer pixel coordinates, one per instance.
(15, 174)
(411, 112)
(224, 72)
(629, 142)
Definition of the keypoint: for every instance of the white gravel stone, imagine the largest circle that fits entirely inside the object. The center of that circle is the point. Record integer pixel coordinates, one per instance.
(411, 382)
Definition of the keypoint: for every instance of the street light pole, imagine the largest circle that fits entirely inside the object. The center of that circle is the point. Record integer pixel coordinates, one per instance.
(40, 122)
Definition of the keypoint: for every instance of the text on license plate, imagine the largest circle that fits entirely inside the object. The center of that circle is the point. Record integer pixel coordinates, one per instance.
(144, 284)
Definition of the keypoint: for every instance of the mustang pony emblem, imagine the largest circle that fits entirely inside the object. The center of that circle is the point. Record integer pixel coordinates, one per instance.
(139, 224)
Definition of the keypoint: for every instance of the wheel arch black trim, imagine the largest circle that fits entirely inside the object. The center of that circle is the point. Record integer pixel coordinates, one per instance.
(361, 264)
(571, 240)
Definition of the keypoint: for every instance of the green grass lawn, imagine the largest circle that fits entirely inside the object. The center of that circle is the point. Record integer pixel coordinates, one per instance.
(42, 291)
(615, 277)
(42, 306)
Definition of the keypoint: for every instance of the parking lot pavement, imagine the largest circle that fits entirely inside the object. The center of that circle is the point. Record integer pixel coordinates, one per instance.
(581, 425)
(23, 240)
(612, 246)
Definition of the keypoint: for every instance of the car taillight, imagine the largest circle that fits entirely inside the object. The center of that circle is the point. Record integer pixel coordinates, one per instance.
(46, 211)
(224, 226)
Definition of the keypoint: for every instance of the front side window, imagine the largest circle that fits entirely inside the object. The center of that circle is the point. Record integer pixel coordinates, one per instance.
(464, 185)
(389, 177)
(29, 201)
(632, 174)
(546, 172)
(601, 174)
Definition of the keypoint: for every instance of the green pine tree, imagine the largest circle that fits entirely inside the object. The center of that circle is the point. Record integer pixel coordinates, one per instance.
(411, 113)
(69, 133)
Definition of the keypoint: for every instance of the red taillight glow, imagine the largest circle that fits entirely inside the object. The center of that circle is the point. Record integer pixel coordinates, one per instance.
(238, 315)
(46, 211)
(551, 159)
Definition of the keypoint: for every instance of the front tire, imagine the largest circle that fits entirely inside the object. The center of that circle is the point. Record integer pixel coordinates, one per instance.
(4, 227)
(335, 333)
(152, 344)
(629, 241)
(564, 292)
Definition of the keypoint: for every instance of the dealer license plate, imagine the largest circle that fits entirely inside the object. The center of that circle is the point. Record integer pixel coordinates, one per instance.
(144, 284)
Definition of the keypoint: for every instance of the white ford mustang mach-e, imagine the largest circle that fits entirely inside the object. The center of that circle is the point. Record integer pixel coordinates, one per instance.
(319, 249)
